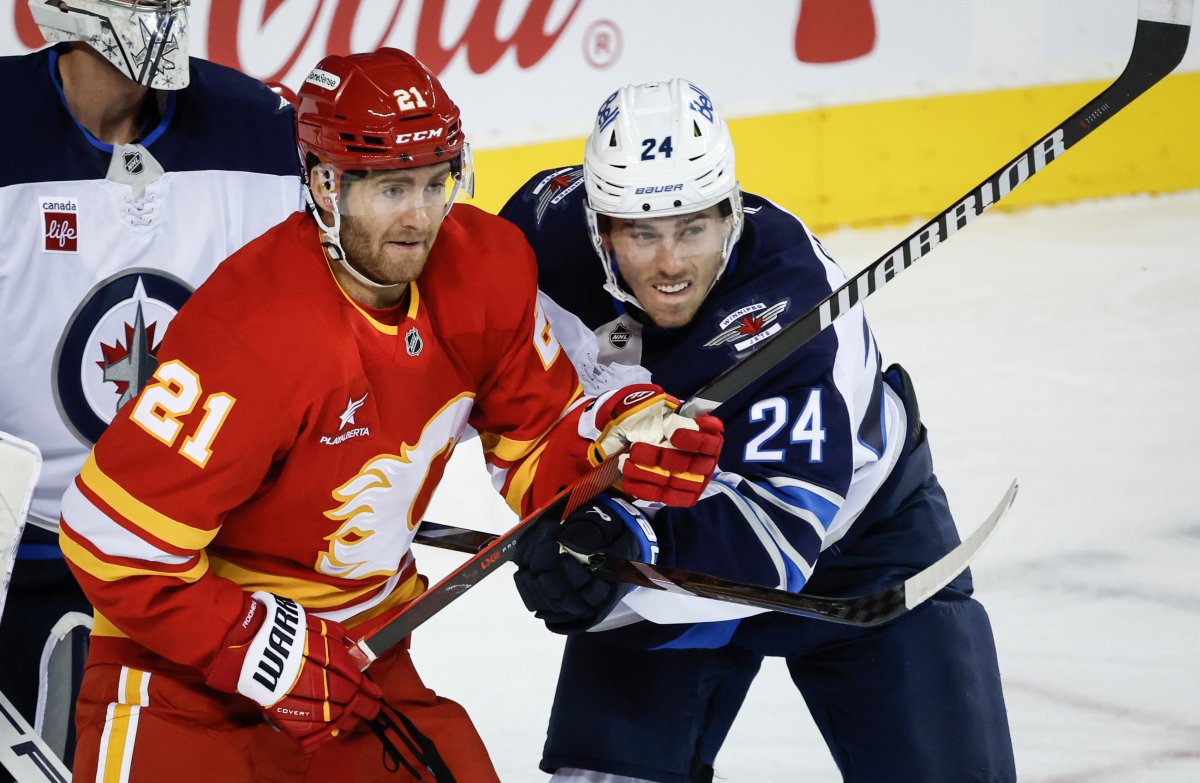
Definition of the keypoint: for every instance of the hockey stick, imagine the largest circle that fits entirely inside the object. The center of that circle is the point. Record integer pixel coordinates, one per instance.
(22, 751)
(1159, 43)
(1160, 40)
(863, 610)
(20, 466)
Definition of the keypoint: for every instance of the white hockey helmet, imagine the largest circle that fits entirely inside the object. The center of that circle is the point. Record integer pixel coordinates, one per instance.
(146, 40)
(658, 150)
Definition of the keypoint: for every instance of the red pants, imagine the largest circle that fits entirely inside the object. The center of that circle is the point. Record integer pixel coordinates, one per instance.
(143, 727)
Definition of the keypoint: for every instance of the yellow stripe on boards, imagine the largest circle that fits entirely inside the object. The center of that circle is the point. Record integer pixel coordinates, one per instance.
(895, 160)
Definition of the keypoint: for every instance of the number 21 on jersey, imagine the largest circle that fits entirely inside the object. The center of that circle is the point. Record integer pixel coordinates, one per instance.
(162, 404)
(807, 428)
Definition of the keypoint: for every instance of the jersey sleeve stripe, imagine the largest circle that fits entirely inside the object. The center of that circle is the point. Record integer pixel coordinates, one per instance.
(79, 551)
(500, 449)
(158, 525)
(109, 536)
(787, 483)
(520, 480)
(751, 514)
(797, 510)
(797, 567)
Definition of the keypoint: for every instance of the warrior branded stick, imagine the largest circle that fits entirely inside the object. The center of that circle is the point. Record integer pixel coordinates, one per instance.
(862, 610)
(1160, 41)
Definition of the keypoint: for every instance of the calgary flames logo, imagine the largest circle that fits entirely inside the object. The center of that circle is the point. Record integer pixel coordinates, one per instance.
(379, 508)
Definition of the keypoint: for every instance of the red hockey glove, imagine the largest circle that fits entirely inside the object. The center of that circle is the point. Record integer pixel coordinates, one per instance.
(297, 667)
(671, 458)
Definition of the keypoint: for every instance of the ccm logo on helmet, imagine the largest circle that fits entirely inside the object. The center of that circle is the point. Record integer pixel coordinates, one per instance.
(404, 138)
(658, 189)
(637, 396)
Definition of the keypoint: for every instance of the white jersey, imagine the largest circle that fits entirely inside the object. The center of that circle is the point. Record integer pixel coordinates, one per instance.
(105, 244)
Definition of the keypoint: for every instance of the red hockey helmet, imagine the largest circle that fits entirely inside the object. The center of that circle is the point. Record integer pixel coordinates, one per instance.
(382, 110)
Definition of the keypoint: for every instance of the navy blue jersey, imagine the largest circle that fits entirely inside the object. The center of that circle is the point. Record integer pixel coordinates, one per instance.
(223, 120)
(806, 445)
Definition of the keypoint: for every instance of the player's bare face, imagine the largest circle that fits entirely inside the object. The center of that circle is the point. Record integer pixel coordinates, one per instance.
(390, 220)
(670, 263)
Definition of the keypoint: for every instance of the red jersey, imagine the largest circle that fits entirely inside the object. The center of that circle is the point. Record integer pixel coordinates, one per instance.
(290, 442)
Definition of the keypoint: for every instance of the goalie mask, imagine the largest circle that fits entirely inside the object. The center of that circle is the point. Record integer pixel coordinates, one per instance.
(145, 39)
(657, 151)
(382, 111)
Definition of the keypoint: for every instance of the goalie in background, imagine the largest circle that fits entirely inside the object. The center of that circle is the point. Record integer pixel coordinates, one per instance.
(139, 171)
(654, 264)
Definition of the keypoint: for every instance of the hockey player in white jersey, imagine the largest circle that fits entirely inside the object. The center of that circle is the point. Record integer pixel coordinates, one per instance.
(825, 481)
(135, 171)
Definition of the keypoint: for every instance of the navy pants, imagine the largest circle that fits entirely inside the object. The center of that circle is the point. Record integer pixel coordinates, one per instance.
(917, 699)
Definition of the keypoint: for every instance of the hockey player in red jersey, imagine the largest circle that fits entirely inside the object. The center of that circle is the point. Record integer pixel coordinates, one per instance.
(254, 507)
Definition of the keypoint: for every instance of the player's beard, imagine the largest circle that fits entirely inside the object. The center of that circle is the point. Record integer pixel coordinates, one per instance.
(369, 254)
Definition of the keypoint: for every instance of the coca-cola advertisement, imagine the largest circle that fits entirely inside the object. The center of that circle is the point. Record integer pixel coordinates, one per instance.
(534, 70)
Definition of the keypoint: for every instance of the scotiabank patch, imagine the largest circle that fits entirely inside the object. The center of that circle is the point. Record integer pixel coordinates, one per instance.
(60, 221)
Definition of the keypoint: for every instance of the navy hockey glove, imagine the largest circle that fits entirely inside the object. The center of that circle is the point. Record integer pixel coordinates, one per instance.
(552, 576)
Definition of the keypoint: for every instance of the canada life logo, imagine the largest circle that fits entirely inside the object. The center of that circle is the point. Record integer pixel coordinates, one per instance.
(60, 223)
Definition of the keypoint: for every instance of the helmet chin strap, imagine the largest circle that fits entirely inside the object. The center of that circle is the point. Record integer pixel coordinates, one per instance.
(333, 242)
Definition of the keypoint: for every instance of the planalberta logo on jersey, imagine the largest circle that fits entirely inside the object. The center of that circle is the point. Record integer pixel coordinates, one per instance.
(109, 349)
(60, 222)
(748, 325)
(345, 420)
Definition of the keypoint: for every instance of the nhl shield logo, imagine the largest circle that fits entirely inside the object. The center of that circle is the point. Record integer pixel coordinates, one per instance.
(133, 162)
(619, 337)
(108, 351)
(413, 342)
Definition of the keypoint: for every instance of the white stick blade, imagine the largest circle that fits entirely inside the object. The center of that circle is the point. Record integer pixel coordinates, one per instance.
(919, 588)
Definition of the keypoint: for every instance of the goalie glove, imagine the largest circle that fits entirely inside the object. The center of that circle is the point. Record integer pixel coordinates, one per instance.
(670, 458)
(552, 559)
(297, 668)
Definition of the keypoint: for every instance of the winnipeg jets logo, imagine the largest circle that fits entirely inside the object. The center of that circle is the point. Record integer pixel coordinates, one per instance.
(109, 349)
(352, 407)
(555, 188)
(749, 325)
